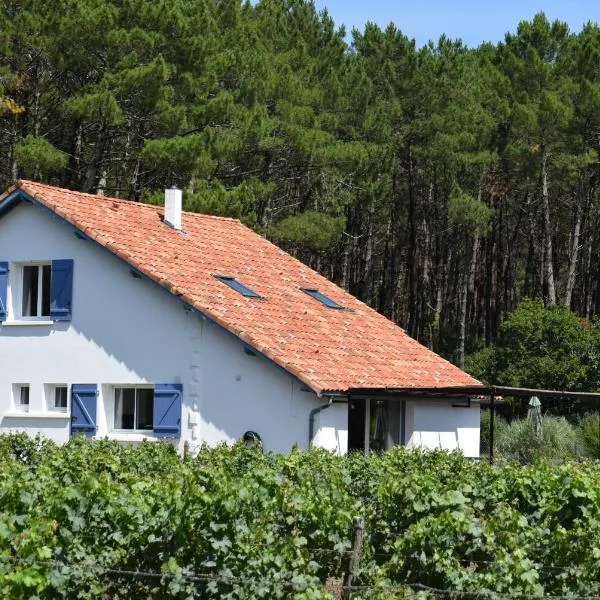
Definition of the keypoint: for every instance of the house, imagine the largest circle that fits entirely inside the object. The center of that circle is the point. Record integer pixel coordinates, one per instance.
(132, 321)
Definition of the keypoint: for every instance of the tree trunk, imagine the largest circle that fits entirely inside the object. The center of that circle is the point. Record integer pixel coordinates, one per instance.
(91, 176)
(548, 260)
(76, 153)
(390, 269)
(588, 276)
(427, 337)
(367, 260)
(101, 183)
(36, 113)
(413, 316)
(574, 255)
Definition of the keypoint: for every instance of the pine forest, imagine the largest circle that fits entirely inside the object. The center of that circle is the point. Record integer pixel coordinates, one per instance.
(440, 184)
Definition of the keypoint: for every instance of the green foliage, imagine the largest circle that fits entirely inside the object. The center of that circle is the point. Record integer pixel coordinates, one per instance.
(311, 229)
(500, 426)
(560, 441)
(266, 111)
(590, 425)
(94, 519)
(481, 365)
(100, 107)
(179, 158)
(549, 348)
(212, 198)
(21, 447)
(39, 158)
(468, 213)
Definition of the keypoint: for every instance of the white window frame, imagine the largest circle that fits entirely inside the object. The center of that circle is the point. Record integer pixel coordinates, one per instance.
(18, 395)
(50, 393)
(113, 406)
(15, 292)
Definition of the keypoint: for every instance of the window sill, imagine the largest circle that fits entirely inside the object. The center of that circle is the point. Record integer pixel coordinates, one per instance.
(27, 323)
(120, 436)
(37, 415)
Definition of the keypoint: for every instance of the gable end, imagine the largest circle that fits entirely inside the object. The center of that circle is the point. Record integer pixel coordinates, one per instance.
(17, 196)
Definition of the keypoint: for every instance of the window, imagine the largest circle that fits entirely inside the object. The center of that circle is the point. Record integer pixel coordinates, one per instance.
(142, 409)
(22, 397)
(57, 396)
(60, 398)
(36, 291)
(317, 295)
(35, 298)
(237, 286)
(134, 408)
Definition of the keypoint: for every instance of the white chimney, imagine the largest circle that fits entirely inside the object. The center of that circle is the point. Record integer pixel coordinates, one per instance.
(173, 208)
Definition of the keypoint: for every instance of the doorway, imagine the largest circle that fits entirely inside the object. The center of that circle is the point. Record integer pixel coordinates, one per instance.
(374, 424)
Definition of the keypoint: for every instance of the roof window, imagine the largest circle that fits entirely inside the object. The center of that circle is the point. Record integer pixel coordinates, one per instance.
(233, 283)
(317, 295)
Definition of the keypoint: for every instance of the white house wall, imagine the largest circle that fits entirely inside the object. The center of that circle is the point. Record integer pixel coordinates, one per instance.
(128, 331)
(241, 398)
(330, 433)
(439, 425)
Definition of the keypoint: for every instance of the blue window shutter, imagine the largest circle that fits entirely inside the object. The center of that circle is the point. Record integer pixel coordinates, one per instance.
(167, 409)
(61, 290)
(3, 290)
(83, 408)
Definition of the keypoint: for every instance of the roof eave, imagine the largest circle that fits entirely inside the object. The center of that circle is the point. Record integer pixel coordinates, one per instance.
(472, 391)
(17, 195)
(423, 392)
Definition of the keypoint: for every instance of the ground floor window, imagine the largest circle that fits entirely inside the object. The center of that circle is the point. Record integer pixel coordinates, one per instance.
(134, 408)
(22, 397)
(57, 397)
(60, 397)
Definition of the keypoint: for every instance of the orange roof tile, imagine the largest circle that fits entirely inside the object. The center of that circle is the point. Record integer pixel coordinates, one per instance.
(327, 349)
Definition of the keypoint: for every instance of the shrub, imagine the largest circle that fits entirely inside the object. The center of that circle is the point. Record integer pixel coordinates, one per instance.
(548, 348)
(559, 441)
(24, 448)
(590, 428)
(94, 519)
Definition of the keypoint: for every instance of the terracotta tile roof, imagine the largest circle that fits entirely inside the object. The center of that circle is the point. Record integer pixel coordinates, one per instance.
(327, 349)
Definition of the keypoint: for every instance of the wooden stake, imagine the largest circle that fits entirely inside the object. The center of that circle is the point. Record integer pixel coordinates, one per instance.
(355, 555)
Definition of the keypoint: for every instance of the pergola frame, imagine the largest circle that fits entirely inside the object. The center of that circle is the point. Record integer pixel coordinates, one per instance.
(493, 392)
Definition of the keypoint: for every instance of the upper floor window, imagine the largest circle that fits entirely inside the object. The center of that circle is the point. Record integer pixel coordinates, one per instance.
(35, 292)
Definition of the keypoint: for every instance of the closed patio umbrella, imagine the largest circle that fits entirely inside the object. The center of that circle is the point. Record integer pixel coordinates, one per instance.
(534, 414)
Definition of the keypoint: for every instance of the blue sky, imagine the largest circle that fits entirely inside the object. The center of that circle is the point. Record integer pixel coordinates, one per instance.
(471, 20)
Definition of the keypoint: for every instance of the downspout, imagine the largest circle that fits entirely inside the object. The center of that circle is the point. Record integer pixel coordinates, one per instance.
(311, 420)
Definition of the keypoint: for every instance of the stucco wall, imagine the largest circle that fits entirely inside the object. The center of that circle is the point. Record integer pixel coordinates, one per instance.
(438, 424)
(128, 331)
(242, 398)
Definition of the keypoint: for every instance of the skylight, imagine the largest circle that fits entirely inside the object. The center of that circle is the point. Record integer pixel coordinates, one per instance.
(233, 283)
(317, 295)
